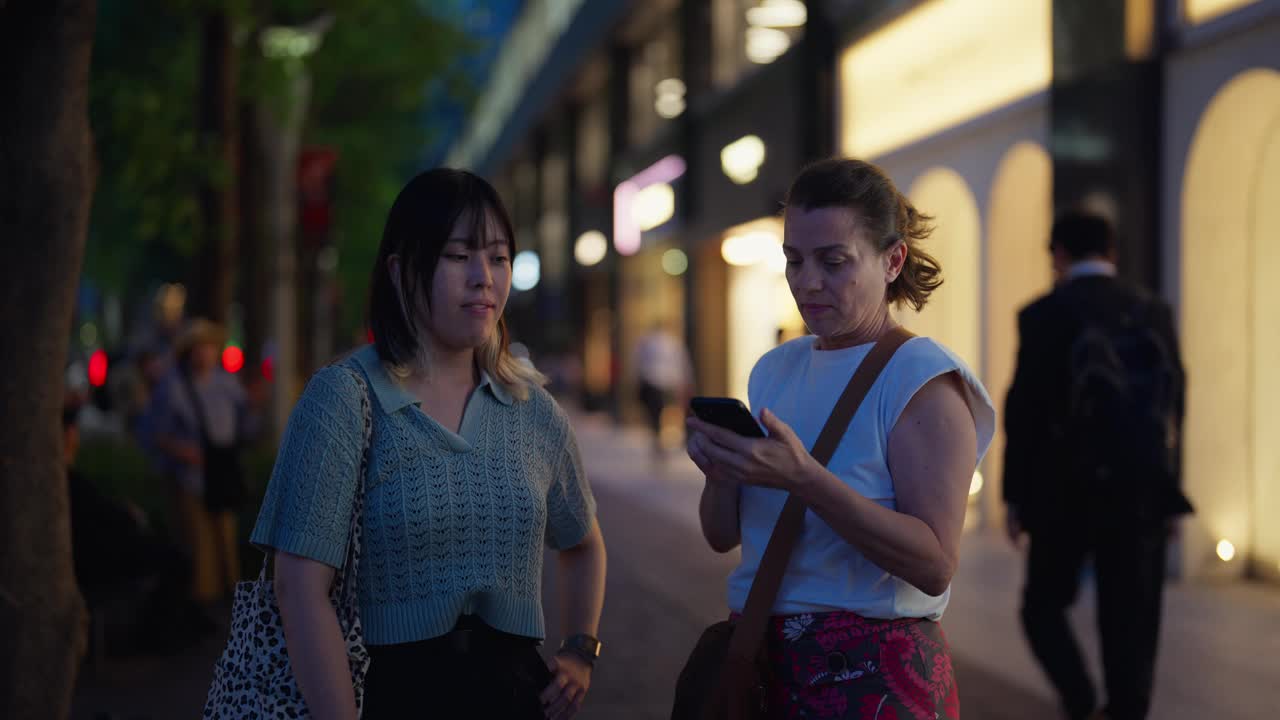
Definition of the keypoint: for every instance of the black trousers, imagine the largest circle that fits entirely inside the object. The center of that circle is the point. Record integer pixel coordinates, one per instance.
(1129, 569)
(655, 400)
(472, 672)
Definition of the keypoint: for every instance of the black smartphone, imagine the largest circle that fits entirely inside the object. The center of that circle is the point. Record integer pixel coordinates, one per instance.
(728, 413)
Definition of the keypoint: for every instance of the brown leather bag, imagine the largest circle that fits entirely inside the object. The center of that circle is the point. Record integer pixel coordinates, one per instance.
(724, 677)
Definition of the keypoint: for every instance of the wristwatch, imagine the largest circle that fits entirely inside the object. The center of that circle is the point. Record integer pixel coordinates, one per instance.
(582, 645)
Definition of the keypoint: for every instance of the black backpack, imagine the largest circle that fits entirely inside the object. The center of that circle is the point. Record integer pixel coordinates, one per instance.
(1124, 394)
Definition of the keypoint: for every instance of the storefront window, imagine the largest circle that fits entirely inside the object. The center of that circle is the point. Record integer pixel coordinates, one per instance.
(593, 143)
(761, 311)
(746, 33)
(1229, 310)
(657, 90)
(553, 223)
(525, 200)
(941, 64)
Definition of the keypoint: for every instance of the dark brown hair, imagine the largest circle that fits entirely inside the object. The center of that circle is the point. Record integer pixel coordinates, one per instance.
(418, 227)
(885, 214)
(1082, 235)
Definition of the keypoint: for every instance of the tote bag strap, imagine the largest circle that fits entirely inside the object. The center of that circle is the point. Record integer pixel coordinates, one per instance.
(344, 582)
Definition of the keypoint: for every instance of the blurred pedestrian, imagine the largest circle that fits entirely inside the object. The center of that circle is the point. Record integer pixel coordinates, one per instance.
(1091, 466)
(134, 384)
(664, 375)
(854, 629)
(472, 469)
(115, 551)
(200, 413)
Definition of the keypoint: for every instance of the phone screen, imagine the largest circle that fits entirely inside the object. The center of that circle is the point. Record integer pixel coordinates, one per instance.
(728, 413)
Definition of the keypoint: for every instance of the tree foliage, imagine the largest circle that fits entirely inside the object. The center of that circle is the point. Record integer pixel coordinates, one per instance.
(142, 108)
(369, 78)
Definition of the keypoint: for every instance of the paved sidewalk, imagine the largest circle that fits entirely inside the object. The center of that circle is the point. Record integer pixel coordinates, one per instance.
(1220, 643)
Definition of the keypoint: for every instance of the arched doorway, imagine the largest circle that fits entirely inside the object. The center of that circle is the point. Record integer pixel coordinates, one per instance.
(1230, 324)
(1019, 215)
(953, 315)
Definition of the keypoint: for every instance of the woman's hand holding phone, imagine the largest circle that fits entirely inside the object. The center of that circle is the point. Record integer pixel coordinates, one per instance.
(778, 461)
(698, 453)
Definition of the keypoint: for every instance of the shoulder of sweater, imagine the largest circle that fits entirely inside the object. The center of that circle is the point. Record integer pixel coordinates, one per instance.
(542, 402)
(333, 386)
(549, 418)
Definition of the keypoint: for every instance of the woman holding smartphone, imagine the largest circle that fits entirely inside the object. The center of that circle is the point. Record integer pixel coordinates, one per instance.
(854, 631)
(472, 469)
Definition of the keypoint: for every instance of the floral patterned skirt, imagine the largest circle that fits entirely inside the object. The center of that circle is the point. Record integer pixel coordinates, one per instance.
(842, 665)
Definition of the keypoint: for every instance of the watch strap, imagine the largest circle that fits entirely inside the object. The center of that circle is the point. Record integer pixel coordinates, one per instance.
(582, 645)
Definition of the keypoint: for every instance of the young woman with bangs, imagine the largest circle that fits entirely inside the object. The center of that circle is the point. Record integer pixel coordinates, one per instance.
(472, 470)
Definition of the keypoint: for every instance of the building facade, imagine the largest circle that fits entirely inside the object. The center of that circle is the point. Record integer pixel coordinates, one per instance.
(646, 149)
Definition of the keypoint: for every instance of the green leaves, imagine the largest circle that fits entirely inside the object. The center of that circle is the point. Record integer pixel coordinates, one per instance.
(369, 74)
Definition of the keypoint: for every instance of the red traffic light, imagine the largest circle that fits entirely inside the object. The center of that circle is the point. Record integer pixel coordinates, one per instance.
(232, 359)
(98, 368)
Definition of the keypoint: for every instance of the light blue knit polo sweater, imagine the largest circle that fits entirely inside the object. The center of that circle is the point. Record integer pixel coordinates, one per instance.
(454, 523)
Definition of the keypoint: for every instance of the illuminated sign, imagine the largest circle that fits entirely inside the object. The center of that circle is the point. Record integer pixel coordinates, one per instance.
(635, 210)
(942, 64)
(653, 206)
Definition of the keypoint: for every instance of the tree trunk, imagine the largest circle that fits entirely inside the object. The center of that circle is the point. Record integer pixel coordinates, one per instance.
(279, 126)
(46, 183)
(255, 257)
(214, 274)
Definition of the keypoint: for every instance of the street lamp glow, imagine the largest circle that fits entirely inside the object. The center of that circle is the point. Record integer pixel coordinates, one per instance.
(765, 44)
(287, 42)
(653, 206)
(590, 248)
(741, 159)
(778, 13)
(526, 271)
(1226, 551)
(752, 247)
(670, 93)
(675, 262)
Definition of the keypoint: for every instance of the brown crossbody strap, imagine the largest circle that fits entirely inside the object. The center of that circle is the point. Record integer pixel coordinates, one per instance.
(749, 633)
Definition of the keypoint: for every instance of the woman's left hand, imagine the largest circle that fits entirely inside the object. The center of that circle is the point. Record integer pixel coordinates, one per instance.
(571, 677)
(779, 461)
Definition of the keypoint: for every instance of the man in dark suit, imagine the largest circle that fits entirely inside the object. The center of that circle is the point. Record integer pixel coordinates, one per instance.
(1091, 468)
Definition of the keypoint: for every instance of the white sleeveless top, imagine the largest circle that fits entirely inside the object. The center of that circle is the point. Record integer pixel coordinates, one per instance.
(800, 385)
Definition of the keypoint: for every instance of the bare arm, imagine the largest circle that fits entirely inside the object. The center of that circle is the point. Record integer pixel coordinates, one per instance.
(316, 646)
(718, 511)
(718, 506)
(582, 572)
(932, 453)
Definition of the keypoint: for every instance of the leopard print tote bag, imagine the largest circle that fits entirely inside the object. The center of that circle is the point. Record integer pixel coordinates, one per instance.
(253, 678)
